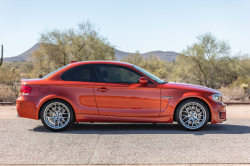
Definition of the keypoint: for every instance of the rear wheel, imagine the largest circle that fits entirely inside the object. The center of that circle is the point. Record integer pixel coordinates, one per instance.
(57, 115)
(192, 115)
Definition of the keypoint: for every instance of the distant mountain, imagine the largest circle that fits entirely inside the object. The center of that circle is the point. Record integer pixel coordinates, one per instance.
(23, 56)
(162, 55)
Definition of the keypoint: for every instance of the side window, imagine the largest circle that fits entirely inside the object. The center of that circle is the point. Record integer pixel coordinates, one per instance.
(118, 74)
(83, 73)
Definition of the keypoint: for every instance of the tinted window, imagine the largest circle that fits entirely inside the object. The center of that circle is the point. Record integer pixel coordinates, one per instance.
(54, 72)
(118, 74)
(80, 73)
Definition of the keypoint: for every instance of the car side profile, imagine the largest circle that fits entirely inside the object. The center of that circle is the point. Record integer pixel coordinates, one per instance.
(111, 91)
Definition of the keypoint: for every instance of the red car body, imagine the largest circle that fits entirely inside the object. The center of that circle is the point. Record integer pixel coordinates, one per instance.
(115, 102)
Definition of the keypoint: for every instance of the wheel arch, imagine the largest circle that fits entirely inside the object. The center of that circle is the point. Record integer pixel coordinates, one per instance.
(196, 98)
(45, 102)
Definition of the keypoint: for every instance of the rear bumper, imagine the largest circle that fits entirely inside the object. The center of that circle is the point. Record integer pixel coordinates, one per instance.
(219, 113)
(27, 107)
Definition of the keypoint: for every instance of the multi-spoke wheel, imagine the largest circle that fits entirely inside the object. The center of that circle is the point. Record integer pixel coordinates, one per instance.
(57, 115)
(192, 114)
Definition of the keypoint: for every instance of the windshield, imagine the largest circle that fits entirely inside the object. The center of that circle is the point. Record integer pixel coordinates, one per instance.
(54, 72)
(153, 77)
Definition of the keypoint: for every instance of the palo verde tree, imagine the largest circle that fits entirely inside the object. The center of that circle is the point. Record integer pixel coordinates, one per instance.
(135, 58)
(59, 47)
(203, 63)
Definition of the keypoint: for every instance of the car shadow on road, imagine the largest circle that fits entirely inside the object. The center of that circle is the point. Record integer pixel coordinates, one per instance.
(118, 128)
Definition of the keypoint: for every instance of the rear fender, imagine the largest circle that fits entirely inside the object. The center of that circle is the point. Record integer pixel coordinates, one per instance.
(51, 97)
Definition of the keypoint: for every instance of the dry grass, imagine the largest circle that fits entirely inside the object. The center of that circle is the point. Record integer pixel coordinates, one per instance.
(6, 94)
(232, 94)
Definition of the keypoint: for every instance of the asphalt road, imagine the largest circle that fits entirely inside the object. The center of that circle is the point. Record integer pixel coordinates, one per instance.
(25, 141)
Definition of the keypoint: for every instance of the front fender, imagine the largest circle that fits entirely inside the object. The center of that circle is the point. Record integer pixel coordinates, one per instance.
(178, 97)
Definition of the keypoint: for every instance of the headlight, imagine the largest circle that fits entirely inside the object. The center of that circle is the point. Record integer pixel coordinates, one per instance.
(216, 97)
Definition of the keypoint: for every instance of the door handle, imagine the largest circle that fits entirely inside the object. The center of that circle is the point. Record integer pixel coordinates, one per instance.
(102, 89)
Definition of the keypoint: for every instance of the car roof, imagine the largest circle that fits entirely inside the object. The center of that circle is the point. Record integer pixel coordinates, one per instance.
(102, 62)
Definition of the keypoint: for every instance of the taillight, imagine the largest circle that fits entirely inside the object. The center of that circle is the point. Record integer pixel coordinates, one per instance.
(25, 90)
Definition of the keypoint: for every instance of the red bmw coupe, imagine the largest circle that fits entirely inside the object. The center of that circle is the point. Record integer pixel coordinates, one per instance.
(109, 91)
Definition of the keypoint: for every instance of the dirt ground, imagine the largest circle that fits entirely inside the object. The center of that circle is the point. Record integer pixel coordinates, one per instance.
(233, 111)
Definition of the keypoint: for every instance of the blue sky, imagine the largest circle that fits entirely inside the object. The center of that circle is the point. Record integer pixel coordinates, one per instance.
(131, 25)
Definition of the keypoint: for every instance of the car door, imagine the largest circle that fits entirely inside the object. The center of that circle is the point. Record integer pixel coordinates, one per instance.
(118, 93)
(78, 87)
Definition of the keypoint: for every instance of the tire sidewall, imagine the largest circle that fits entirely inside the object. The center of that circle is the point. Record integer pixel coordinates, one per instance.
(189, 101)
(71, 121)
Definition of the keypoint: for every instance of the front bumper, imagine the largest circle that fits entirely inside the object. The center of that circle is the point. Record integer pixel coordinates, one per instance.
(218, 113)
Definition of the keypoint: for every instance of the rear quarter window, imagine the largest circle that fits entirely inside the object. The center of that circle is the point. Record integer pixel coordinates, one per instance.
(83, 73)
(54, 72)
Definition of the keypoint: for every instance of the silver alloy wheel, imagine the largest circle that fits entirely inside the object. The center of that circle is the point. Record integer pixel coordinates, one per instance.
(192, 115)
(56, 115)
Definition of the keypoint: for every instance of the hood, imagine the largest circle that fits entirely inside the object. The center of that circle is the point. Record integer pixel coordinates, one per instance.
(183, 86)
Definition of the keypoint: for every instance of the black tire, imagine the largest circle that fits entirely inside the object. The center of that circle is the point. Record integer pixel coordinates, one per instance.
(194, 111)
(50, 114)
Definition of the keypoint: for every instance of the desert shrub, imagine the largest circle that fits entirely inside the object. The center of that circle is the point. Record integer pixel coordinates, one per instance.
(234, 93)
(240, 81)
(6, 94)
(237, 90)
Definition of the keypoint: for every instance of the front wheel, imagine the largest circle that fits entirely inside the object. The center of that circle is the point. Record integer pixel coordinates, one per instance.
(57, 115)
(192, 115)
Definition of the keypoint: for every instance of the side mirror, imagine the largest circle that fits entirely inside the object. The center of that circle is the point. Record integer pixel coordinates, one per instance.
(143, 80)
